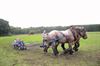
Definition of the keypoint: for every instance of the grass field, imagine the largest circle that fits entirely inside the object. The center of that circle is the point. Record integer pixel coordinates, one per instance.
(88, 54)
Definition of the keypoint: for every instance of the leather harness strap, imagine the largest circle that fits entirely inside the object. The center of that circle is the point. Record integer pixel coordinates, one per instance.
(75, 37)
(64, 36)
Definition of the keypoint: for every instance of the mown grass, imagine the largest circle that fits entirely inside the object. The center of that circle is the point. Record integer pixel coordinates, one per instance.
(88, 54)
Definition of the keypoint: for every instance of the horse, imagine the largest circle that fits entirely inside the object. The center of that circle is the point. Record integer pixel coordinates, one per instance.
(78, 32)
(70, 36)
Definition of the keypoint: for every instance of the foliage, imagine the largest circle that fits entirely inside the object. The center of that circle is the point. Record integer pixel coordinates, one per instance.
(4, 27)
(18, 30)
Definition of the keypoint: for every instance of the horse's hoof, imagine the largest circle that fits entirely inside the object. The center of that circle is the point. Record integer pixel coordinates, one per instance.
(71, 52)
(66, 51)
(45, 50)
(76, 50)
(63, 53)
(56, 54)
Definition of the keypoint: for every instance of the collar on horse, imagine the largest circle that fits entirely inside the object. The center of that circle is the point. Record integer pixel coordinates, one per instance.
(74, 34)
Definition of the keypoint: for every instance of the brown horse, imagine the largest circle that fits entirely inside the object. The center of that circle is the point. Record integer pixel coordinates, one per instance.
(70, 36)
(77, 32)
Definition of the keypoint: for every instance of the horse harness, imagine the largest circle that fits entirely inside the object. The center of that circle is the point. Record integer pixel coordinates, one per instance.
(75, 35)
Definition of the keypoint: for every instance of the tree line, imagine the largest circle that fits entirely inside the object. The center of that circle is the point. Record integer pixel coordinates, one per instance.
(6, 29)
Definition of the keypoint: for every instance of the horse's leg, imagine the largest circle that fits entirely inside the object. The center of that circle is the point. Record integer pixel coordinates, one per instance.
(77, 44)
(63, 47)
(70, 49)
(46, 48)
(54, 47)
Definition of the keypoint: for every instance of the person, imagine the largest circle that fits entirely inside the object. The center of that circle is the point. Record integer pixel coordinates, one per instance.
(43, 37)
(19, 44)
(44, 32)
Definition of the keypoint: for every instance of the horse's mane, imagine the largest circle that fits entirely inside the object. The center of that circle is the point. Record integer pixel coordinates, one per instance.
(76, 27)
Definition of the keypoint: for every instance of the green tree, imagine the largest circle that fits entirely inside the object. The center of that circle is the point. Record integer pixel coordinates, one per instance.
(4, 27)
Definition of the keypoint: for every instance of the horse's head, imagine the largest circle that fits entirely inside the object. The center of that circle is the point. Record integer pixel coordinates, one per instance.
(82, 32)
